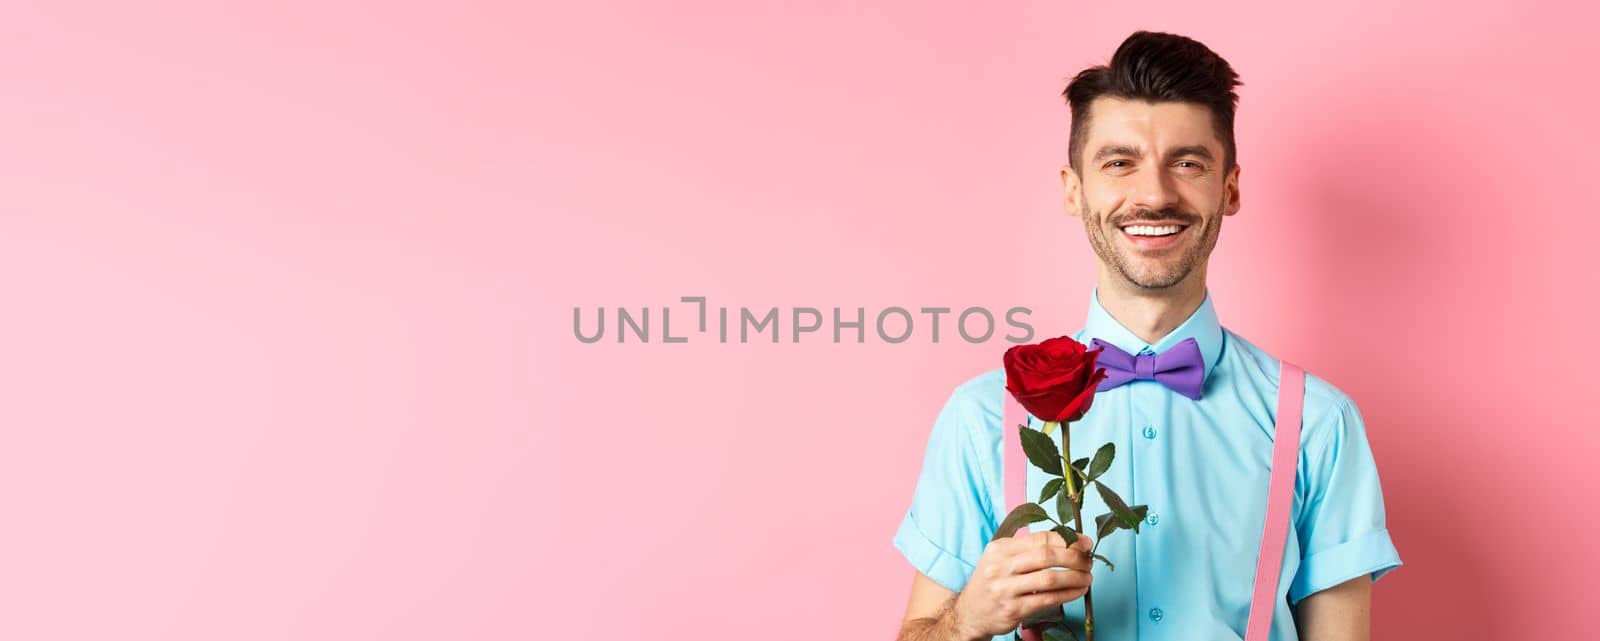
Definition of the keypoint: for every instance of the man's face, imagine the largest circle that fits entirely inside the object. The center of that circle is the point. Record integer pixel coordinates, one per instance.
(1151, 189)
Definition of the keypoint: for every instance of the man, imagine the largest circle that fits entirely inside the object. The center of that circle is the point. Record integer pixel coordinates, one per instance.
(1152, 171)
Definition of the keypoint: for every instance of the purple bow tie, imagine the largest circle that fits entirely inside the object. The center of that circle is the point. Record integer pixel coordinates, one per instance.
(1181, 368)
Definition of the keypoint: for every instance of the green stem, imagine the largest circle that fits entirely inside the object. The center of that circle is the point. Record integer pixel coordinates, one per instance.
(1077, 520)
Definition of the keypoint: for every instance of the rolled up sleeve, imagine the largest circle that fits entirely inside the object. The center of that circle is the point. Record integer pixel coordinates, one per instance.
(1342, 528)
(949, 521)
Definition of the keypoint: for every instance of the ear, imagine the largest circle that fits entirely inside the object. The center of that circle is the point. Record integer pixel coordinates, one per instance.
(1072, 189)
(1231, 202)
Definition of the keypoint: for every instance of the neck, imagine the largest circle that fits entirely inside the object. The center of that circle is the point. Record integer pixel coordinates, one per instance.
(1150, 314)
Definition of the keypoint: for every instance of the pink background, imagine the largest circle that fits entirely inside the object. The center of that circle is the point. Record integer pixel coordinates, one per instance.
(286, 350)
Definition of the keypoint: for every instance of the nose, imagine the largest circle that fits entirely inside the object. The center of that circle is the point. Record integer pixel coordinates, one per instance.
(1154, 190)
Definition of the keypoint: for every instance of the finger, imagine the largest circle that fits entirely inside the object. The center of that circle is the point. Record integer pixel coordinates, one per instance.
(1025, 541)
(1042, 558)
(1046, 580)
(1084, 542)
(1046, 539)
(1051, 538)
(1031, 603)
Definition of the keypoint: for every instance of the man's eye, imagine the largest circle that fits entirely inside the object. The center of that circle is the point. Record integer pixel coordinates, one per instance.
(1117, 164)
(1189, 164)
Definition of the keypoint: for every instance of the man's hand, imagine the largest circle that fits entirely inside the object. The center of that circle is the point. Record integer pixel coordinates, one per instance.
(1015, 577)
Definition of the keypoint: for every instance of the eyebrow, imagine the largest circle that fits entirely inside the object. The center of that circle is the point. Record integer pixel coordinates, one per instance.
(1198, 151)
(1117, 150)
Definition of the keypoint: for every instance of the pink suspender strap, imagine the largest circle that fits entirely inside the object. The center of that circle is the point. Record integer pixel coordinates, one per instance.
(1275, 532)
(1280, 493)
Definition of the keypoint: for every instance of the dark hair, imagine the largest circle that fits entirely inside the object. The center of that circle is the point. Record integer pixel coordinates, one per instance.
(1157, 67)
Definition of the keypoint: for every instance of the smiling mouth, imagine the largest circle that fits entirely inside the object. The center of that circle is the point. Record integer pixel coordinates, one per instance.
(1148, 236)
(1153, 231)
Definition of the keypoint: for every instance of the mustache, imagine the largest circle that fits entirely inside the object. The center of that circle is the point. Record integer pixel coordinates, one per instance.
(1152, 216)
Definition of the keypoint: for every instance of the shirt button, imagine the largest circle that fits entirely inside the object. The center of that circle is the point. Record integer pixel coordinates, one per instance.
(1152, 518)
(1149, 432)
(1156, 614)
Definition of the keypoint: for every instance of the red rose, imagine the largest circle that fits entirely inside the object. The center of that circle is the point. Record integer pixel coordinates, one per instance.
(1054, 380)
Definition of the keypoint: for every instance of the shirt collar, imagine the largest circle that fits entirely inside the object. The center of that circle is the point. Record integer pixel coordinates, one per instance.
(1201, 325)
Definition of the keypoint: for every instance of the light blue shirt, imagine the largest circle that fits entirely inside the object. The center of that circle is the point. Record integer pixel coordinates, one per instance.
(1202, 468)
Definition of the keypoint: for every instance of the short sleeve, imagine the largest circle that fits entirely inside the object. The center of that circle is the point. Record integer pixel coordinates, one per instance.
(949, 522)
(1342, 529)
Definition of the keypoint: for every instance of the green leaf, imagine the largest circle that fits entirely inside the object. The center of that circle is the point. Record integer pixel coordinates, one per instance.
(1107, 562)
(1102, 460)
(1041, 450)
(1066, 532)
(1103, 525)
(1025, 514)
(1050, 488)
(1082, 464)
(1139, 512)
(1079, 473)
(1118, 506)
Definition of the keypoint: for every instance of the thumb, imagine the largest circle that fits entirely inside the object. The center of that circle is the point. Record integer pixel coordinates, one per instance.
(1084, 542)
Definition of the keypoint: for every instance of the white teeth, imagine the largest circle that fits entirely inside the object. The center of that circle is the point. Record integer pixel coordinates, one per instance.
(1150, 230)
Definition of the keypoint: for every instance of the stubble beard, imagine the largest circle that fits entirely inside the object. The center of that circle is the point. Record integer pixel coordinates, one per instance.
(1147, 274)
